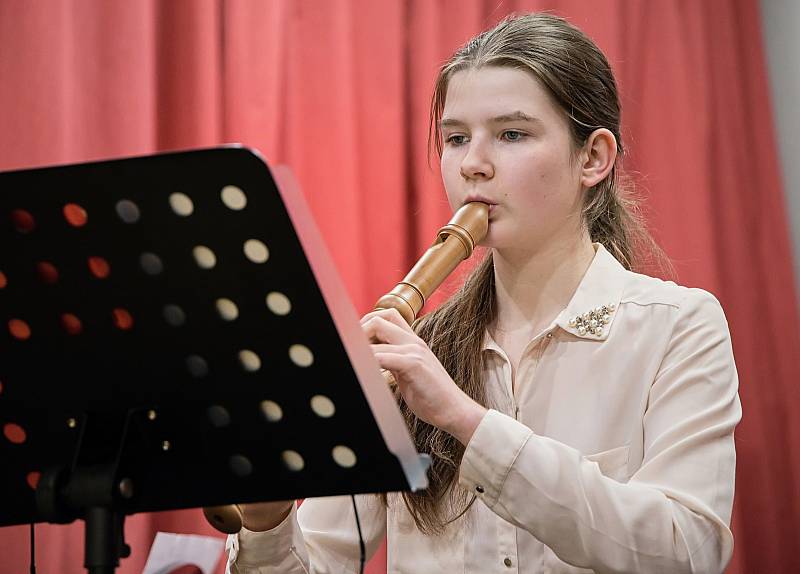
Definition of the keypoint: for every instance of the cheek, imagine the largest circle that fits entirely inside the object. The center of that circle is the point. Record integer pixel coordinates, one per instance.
(546, 181)
(555, 171)
(450, 177)
(533, 177)
(449, 165)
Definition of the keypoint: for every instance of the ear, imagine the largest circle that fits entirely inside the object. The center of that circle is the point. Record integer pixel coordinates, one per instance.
(597, 157)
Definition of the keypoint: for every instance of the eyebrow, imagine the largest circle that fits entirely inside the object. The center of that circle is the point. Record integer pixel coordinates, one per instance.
(516, 116)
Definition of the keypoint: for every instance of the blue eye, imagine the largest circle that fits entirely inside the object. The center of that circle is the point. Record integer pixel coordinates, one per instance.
(456, 139)
(513, 135)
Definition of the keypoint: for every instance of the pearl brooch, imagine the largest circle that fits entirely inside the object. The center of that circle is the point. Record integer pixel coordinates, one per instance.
(593, 321)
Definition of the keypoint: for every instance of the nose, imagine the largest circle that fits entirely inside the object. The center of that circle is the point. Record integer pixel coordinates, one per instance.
(477, 162)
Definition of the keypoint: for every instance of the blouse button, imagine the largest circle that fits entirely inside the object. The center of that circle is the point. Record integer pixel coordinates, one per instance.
(507, 562)
(479, 488)
(549, 335)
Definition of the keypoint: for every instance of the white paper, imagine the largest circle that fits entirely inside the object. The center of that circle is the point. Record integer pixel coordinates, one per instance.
(171, 551)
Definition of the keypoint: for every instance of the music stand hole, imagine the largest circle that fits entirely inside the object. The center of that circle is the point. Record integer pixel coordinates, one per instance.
(233, 197)
(122, 319)
(19, 329)
(204, 257)
(32, 479)
(197, 366)
(151, 263)
(75, 215)
(293, 460)
(227, 309)
(181, 204)
(47, 272)
(71, 324)
(249, 360)
(127, 211)
(322, 406)
(240, 465)
(219, 416)
(23, 221)
(301, 355)
(99, 267)
(344, 457)
(14, 433)
(279, 303)
(174, 315)
(256, 251)
(272, 411)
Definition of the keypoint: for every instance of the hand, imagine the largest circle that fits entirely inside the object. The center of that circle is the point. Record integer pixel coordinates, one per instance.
(261, 516)
(424, 383)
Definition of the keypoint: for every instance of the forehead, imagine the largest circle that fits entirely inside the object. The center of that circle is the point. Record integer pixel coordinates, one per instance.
(491, 91)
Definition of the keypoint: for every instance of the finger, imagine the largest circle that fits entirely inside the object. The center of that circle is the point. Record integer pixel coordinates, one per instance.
(392, 315)
(410, 352)
(381, 330)
(395, 362)
(382, 350)
(394, 349)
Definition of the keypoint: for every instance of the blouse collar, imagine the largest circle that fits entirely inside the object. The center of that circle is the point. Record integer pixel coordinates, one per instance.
(591, 311)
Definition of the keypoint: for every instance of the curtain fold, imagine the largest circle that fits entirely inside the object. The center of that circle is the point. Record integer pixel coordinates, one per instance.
(340, 92)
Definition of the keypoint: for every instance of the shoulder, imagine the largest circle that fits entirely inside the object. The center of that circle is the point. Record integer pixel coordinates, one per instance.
(645, 290)
(681, 303)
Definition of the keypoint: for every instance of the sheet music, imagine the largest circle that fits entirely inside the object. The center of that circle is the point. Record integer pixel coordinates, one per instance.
(172, 551)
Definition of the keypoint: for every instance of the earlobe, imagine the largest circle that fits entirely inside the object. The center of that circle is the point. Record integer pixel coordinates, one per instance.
(599, 155)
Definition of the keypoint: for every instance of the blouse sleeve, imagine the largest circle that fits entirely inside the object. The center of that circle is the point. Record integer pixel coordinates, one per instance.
(673, 513)
(318, 538)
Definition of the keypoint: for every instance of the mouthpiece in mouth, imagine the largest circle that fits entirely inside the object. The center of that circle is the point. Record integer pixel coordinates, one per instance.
(473, 218)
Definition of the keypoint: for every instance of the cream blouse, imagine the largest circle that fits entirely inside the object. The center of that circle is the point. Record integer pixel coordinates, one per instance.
(613, 452)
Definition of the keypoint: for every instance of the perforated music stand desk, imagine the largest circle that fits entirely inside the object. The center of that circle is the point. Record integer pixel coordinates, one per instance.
(189, 344)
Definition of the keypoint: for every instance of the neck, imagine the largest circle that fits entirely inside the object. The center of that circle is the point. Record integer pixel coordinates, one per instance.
(532, 287)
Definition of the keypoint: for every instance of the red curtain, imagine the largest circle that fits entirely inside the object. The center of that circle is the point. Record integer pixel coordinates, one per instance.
(339, 90)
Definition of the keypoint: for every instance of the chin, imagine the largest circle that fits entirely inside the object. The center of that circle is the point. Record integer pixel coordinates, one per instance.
(495, 240)
(502, 239)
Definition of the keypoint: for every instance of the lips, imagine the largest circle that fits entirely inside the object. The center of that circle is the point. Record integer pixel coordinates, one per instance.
(480, 198)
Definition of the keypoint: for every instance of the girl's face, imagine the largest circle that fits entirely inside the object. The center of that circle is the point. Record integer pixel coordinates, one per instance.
(506, 143)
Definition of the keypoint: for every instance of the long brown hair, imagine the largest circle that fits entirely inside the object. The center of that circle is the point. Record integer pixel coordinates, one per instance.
(578, 77)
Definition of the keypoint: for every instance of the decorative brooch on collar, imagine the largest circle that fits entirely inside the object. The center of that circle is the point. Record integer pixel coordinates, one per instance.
(593, 321)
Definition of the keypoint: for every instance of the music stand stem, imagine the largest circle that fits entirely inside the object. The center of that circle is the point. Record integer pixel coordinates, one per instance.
(105, 543)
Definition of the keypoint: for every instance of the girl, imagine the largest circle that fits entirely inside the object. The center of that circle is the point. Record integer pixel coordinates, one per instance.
(580, 416)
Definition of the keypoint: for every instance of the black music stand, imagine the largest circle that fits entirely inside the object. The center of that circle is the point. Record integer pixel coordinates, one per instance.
(173, 334)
